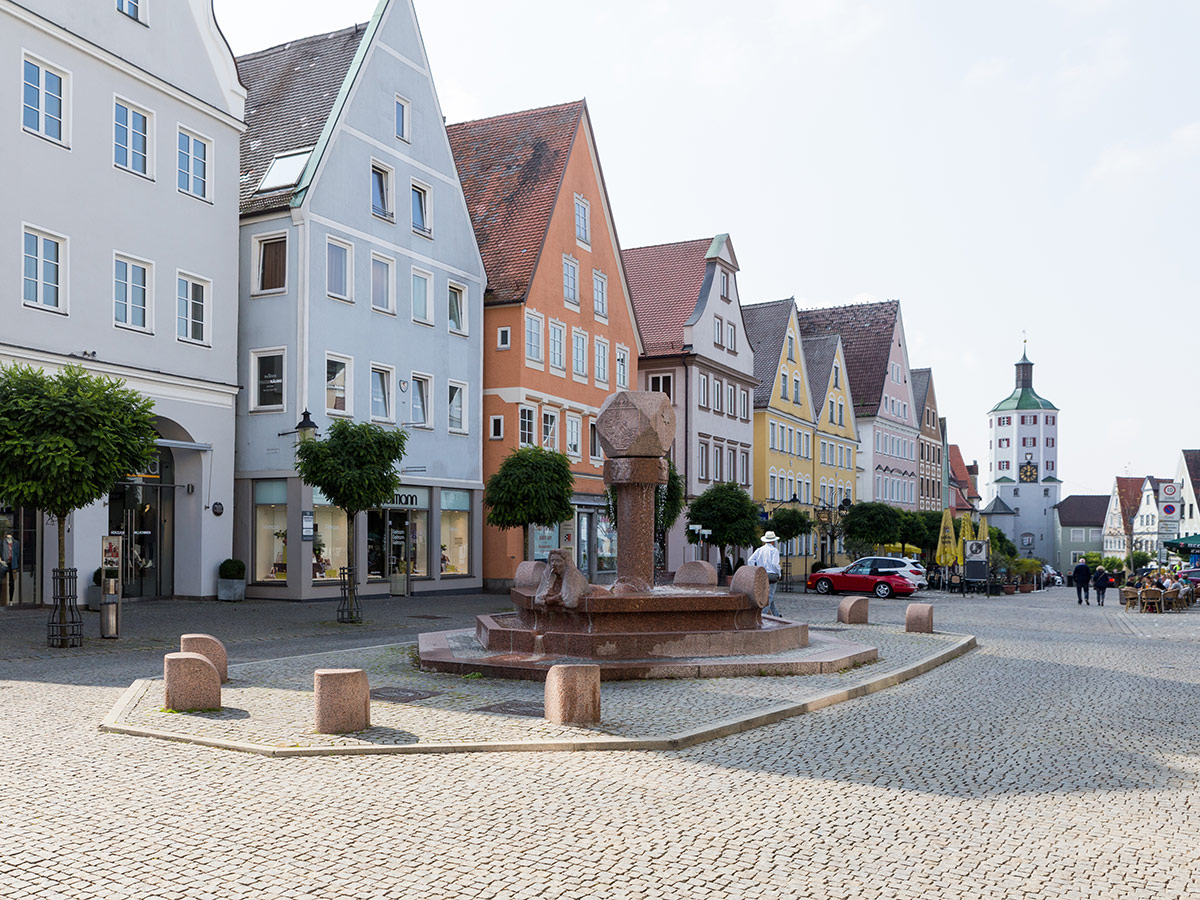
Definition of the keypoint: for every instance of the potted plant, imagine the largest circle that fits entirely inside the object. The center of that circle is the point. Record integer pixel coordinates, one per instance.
(1027, 569)
(231, 580)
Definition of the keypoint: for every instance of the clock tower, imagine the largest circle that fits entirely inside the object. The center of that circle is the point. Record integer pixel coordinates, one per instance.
(1022, 485)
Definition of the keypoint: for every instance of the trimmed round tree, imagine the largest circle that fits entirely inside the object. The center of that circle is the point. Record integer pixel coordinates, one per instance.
(867, 525)
(356, 466)
(533, 486)
(728, 512)
(65, 441)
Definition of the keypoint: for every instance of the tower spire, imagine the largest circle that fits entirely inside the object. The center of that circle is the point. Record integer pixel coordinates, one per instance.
(1024, 370)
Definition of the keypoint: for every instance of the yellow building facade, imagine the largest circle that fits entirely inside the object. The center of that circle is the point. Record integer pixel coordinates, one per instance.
(835, 469)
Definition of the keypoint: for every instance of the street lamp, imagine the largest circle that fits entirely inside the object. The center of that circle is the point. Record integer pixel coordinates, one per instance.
(830, 518)
(306, 428)
(786, 575)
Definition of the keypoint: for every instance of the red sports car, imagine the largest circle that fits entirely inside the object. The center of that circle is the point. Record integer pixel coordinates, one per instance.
(860, 579)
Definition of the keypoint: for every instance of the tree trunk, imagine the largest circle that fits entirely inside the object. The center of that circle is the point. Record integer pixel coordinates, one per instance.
(350, 555)
(62, 564)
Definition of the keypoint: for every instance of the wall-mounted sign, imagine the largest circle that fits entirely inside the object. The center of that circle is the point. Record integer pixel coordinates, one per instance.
(306, 525)
(410, 498)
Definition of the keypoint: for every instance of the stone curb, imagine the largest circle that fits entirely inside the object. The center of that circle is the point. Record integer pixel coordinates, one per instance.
(677, 741)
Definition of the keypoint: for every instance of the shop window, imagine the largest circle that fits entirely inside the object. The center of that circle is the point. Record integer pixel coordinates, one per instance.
(329, 544)
(270, 531)
(606, 544)
(456, 533)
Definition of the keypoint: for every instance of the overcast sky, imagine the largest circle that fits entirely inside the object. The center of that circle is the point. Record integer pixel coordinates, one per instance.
(998, 168)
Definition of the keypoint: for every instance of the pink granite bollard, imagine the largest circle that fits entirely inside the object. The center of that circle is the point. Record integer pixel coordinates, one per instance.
(753, 582)
(529, 573)
(853, 611)
(342, 700)
(573, 695)
(918, 617)
(697, 572)
(190, 683)
(208, 647)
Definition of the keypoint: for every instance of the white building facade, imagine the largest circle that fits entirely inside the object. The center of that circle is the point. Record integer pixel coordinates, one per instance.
(131, 112)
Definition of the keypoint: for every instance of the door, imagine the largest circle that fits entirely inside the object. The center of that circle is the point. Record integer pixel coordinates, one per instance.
(142, 510)
(397, 555)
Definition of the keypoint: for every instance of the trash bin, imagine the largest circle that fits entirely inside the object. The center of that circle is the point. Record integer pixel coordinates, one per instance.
(110, 609)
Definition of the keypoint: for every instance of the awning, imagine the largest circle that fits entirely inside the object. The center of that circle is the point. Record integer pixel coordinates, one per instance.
(182, 445)
(1191, 543)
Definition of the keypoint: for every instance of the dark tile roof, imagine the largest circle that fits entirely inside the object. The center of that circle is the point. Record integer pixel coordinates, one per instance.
(1191, 460)
(511, 168)
(1083, 510)
(819, 354)
(997, 508)
(1129, 494)
(866, 331)
(920, 386)
(664, 281)
(290, 91)
(766, 329)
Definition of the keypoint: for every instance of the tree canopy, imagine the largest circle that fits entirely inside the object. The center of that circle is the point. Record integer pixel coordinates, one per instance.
(533, 486)
(868, 525)
(789, 523)
(356, 466)
(728, 512)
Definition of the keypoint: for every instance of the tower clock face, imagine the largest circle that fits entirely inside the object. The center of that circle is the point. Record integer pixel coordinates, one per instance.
(1029, 472)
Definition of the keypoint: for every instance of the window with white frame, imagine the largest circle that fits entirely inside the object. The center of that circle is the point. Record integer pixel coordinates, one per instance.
(601, 361)
(496, 428)
(191, 309)
(570, 268)
(550, 429)
(663, 385)
(574, 435)
(533, 337)
(382, 379)
(44, 98)
(718, 331)
(744, 405)
(795, 388)
(503, 338)
(403, 118)
(725, 285)
(702, 461)
(579, 353)
(599, 295)
(456, 308)
(422, 310)
(730, 336)
(831, 419)
(192, 155)
(44, 268)
(420, 415)
(731, 472)
(339, 385)
(422, 222)
(526, 417)
(1004, 464)
(131, 8)
(791, 348)
(622, 367)
(716, 463)
(841, 412)
(718, 395)
(1049, 442)
(381, 192)
(383, 289)
(1049, 465)
(594, 448)
(771, 486)
(731, 399)
(338, 268)
(131, 289)
(270, 272)
(583, 227)
(456, 401)
(772, 431)
(558, 340)
(131, 137)
(702, 390)
(267, 377)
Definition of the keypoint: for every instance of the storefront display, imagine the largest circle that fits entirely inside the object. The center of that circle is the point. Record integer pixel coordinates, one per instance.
(330, 544)
(270, 531)
(456, 532)
(606, 544)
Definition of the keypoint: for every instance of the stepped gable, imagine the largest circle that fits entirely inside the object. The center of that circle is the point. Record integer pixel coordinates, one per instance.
(664, 281)
(290, 90)
(1083, 510)
(866, 330)
(766, 330)
(511, 168)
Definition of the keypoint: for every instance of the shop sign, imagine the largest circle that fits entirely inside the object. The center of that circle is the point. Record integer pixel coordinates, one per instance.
(544, 540)
(410, 498)
(567, 537)
(306, 525)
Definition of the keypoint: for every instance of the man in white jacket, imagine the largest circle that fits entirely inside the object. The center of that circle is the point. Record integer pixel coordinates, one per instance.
(767, 556)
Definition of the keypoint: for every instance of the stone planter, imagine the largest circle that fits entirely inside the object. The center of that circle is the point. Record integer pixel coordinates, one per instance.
(231, 589)
(1009, 588)
(1026, 588)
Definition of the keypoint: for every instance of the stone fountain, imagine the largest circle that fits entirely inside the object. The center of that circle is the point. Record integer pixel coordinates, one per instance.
(632, 629)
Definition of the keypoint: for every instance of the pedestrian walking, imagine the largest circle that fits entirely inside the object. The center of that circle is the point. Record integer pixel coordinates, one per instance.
(1083, 577)
(767, 556)
(1100, 581)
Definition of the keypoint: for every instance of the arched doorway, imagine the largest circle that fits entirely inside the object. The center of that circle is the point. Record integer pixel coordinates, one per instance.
(141, 509)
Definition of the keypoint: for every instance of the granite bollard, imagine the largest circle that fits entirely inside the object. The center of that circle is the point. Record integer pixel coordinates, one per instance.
(342, 700)
(573, 695)
(697, 572)
(918, 618)
(208, 647)
(852, 611)
(529, 573)
(754, 583)
(190, 683)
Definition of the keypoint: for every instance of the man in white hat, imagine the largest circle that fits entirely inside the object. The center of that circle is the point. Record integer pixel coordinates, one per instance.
(767, 556)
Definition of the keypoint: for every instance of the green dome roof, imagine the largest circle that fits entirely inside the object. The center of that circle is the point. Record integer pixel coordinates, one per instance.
(1023, 398)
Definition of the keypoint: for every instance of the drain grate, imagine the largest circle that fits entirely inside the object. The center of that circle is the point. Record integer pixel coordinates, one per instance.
(400, 695)
(429, 617)
(515, 708)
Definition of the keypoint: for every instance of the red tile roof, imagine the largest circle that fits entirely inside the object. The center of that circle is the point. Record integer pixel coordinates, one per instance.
(511, 168)
(1129, 492)
(866, 330)
(664, 281)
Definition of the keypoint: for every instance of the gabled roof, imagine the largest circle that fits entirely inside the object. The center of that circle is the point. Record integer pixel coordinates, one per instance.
(920, 387)
(1191, 460)
(511, 168)
(665, 281)
(290, 92)
(819, 356)
(997, 508)
(1129, 493)
(1083, 510)
(766, 330)
(866, 330)
(958, 468)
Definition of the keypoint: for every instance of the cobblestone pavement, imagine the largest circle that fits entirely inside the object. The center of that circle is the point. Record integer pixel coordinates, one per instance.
(1061, 759)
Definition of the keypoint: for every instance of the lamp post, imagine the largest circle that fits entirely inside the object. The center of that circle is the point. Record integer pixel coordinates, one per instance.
(830, 517)
(786, 576)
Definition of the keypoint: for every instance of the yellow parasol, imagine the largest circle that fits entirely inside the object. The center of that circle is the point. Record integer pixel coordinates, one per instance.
(965, 533)
(984, 534)
(946, 554)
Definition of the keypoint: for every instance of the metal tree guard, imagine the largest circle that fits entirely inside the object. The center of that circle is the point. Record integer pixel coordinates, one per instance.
(64, 628)
(349, 611)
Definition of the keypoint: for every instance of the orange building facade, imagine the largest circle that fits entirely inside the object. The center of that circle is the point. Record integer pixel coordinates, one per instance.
(560, 334)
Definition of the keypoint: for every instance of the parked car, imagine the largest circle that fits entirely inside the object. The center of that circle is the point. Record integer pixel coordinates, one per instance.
(1192, 575)
(910, 569)
(861, 577)
(914, 572)
(1051, 576)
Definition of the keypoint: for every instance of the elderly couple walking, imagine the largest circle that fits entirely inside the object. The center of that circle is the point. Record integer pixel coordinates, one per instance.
(767, 556)
(1083, 577)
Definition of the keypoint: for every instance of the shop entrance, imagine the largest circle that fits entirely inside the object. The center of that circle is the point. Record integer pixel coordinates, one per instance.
(19, 541)
(142, 510)
(388, 555)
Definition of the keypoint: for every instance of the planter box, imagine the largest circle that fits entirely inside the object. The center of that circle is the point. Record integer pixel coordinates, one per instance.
(1026, 588)
(1009, 588)
(231, 589)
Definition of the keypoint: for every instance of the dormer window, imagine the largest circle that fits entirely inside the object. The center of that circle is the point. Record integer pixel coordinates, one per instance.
(285, 170)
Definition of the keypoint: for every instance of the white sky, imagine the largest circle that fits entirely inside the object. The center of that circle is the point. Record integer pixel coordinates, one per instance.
(999, 168)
